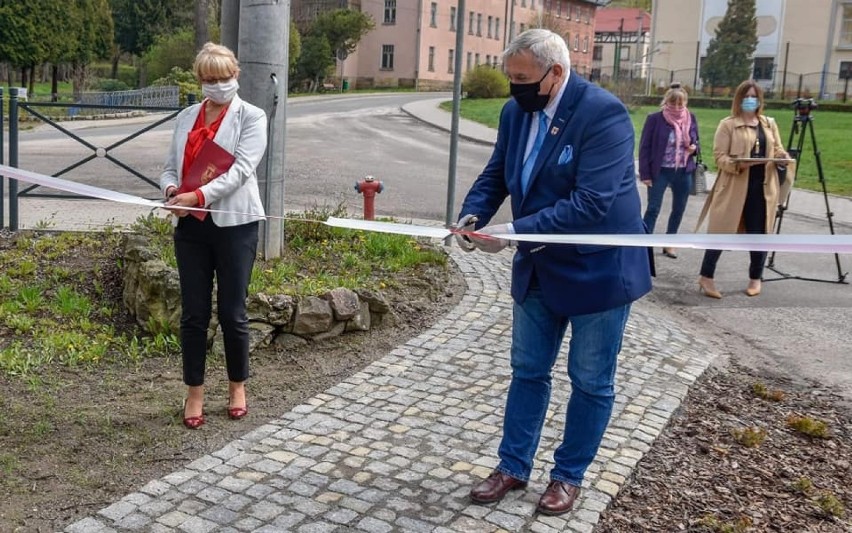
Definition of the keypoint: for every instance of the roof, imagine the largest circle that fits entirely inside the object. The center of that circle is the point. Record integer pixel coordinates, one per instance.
(608, 20)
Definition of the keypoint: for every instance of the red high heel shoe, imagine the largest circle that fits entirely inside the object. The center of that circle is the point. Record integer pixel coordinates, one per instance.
(192, 422)
(235, 413)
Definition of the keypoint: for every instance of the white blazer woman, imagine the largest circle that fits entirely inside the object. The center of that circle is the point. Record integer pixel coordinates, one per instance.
(243, 134)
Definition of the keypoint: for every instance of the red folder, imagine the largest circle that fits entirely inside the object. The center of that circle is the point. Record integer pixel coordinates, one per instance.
(211, 162)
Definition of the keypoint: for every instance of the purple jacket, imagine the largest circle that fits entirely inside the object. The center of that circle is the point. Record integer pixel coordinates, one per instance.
(652, 146)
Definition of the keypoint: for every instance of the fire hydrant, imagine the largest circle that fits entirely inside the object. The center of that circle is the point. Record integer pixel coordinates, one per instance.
(369, 187)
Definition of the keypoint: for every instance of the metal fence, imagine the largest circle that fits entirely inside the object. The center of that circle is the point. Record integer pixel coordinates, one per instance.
(780, 84)
(38, 110)
(167, 96)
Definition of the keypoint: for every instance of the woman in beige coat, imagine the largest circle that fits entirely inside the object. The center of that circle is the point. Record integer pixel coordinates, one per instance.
(745, 196)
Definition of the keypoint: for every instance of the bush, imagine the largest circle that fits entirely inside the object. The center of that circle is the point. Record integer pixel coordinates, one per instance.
(168, 51)
(127, 74)
(185, 81)
(485, 82)
(109, 85)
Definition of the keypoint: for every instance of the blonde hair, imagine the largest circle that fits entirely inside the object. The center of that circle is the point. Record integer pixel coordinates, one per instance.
(674, 95)
(215, 61)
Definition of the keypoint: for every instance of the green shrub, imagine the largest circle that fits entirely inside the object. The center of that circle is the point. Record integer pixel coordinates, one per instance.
(485, 82)
(169, 51)
(109, 85)
(127, 74)
(184, 80)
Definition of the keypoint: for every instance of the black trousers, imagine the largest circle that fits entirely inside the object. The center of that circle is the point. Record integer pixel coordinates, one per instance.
(203, 250)
(754, 220)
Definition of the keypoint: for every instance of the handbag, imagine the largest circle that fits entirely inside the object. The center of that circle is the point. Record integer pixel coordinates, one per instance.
(699, 178)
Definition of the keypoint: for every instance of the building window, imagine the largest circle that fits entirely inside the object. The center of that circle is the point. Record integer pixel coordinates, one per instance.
(522, 27)
(586, 44)
(625, 53)
(845, 70)
(479, 24)
(469, 60)
(763, 68)
(387, 57)
(548, 6)
(558, 8)
(846, 26)
(532, 4)
(568, 9)
(490, 24)
(523, 3)
(431, 64)
(453, 18)
(390, 12)
(497, 28)
(451, 63)
(597, 52)
(488, 59)
(576, 42)
(433, 15)
(470, 23)
(477, 59)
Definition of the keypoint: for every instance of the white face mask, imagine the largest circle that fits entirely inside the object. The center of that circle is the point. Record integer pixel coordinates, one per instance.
(221, 92)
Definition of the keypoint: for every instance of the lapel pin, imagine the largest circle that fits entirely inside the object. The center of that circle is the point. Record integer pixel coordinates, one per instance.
(554, 130)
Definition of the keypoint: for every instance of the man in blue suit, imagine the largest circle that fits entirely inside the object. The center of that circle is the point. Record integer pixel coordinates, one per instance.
(564, 155)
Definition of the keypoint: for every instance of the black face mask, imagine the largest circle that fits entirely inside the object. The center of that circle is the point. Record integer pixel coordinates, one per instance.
(526, 94)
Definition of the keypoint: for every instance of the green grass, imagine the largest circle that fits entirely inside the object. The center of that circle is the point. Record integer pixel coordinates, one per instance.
(59, 297)
(831, 129)
(318, 258)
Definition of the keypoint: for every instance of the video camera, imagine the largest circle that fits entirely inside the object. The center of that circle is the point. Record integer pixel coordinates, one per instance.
(804, 106)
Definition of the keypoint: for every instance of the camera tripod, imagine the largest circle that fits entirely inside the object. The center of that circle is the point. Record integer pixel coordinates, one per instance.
(802, 124)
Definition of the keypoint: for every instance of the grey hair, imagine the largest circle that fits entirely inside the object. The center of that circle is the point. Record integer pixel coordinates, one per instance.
(546, 47)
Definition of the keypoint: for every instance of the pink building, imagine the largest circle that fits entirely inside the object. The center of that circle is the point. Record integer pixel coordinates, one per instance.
(413, 44)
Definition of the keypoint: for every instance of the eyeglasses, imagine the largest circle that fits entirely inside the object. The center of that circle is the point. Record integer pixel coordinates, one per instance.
(216, 80)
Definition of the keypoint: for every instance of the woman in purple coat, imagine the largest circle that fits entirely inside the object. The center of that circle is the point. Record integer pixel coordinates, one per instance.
(666, 159)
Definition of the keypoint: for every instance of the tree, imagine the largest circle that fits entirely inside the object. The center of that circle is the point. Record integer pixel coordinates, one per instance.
(138, 23)
(730, 52)
(316, 59)
(342, 28)
(202, 16)
(294, 48)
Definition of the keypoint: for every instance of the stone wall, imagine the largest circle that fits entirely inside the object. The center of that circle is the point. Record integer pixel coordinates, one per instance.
(152, 295)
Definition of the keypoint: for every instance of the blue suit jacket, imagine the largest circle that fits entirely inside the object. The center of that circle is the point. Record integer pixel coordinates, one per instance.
(583, 181)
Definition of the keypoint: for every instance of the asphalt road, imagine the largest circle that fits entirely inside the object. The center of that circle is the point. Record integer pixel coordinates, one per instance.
(331, 143)
(797, 328)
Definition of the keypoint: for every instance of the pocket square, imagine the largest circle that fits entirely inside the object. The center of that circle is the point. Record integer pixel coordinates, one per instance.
(567, 155)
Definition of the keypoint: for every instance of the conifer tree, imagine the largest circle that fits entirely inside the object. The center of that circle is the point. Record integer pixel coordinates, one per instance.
(730, 53)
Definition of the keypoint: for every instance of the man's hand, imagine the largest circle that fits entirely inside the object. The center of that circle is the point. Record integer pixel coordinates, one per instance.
(465, 223)
(492, 245)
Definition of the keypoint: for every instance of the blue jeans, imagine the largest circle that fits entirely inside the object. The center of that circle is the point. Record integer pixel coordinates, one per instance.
(537, 335)
(680, 182)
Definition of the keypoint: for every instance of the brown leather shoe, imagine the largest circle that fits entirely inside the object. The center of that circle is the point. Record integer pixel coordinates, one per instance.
(495, 487)
(558, 498)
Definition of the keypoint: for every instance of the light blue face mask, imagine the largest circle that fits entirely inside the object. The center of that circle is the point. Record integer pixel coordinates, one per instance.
(750, 104)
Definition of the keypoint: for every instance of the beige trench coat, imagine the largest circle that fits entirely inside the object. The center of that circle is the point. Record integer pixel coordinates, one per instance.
(724, 204)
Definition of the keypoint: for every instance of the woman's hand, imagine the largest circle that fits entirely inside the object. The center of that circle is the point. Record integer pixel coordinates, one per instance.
(187, 199)
(691, 148)
(647, 182)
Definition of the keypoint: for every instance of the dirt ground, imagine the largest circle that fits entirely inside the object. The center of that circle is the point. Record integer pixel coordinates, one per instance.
(700, 476)
(72, 441)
